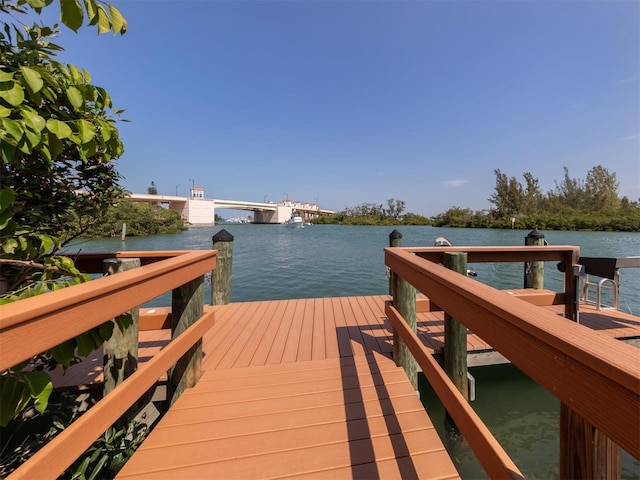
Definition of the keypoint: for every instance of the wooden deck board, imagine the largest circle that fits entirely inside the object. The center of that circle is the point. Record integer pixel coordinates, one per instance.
(305, 388)
(243, 337)
(318, 417)
(266, 340)
(256, 333)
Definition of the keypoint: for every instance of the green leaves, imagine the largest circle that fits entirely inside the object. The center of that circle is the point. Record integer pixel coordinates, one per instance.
(12, 128)
(86, 130)
(18, 388)
(75, 115)
(75, 97)
(32, 78)
(14, 397)
(60, 129)
(32, 120)
(118, 23)
(58, 136)
(12, 92)
(40, 387)
(72, 15)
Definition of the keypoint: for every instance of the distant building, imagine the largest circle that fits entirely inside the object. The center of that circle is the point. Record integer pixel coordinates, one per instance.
(197, 192)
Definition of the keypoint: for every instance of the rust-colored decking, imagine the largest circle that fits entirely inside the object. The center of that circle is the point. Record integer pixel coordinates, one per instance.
(264, 333)
(351, 417)
(296, 388)
(307, 388)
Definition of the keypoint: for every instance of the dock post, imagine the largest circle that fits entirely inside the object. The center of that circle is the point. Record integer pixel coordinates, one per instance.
(534, 271)
(221, 276)
(187, 306)
(455, 334)
(121, 350)
(586, 452)
(395, 240)
(404, 299)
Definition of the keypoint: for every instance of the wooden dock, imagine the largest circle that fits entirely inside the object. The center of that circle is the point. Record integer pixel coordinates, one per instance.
(307, 388)
(265, 333)
(355, 417)
(296, 388)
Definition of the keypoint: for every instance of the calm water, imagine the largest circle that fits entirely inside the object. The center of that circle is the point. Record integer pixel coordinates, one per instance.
(274, 262)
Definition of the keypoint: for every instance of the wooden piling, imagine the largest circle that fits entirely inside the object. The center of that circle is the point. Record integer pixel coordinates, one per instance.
(404, 300)
(395, 240)
(121, 350)
(455, 333)
(187, 306)
(534, 271)
(585, 452)
(221, 276)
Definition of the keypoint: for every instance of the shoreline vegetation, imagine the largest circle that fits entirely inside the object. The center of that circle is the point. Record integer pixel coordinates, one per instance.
(592, 204)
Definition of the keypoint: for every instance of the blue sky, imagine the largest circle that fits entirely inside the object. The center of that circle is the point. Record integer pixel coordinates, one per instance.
(347, 102)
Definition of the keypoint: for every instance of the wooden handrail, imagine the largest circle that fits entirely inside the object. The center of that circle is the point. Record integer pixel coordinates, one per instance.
(598, 377)
(35, 324)
(92, 262)
(489, 452)
(62, 451)
(491, 254)
(566, 254)
(66, 313)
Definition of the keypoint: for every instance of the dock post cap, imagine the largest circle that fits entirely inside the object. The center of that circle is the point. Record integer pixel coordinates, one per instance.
(395, 235)
(222, 236)
(535, 233)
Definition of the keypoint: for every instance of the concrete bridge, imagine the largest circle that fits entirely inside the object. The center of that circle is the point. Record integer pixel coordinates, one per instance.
(198, 210)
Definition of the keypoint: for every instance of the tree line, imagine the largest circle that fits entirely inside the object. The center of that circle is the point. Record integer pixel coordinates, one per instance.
(592, 203)
(375, 214)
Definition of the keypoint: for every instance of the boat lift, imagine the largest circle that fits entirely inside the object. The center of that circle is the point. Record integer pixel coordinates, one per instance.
(608, 269)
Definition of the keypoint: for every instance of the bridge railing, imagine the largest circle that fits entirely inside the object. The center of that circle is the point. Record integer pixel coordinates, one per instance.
(596, 378)
(30, 326)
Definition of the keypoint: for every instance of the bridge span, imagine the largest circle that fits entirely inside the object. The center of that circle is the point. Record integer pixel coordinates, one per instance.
(198, 210)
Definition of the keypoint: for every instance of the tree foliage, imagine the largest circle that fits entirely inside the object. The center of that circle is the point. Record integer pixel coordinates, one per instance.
(58, 141)
(592, 203)
(375, 214)
(58, 146)
(141, 219)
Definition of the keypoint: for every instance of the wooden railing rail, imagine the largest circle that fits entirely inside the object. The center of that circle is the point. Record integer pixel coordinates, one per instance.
(597, 377)
(567, 254)
(35, 324)
(490, 453)
(32, 325)
(52, 460)
(92, 262)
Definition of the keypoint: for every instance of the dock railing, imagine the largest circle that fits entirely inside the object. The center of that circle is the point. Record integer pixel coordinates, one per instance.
(596, 378)
(33, 325)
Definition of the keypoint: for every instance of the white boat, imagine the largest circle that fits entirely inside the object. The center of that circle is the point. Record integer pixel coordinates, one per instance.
(295, 221)
(442, 242)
